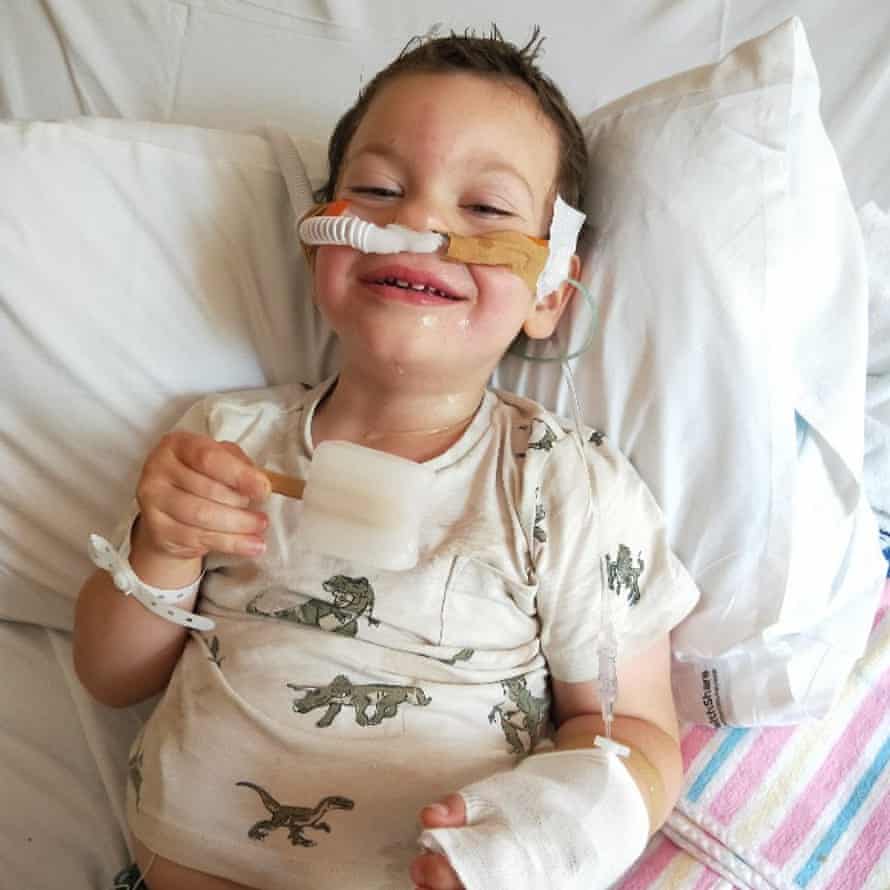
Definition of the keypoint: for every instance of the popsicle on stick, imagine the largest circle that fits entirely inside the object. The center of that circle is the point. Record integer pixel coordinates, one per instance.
(360, 504)
(289, 486)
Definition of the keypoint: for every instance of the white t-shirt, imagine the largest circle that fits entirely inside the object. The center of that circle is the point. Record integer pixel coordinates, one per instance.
(298, 740)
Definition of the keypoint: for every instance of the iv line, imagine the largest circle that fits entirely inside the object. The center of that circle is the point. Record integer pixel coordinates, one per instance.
(607, 644)
(588, 339)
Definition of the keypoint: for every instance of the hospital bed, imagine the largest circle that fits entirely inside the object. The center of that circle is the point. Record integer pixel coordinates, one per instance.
(781, 806)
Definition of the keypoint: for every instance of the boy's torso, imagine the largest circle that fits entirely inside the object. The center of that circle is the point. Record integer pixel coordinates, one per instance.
(340, 695)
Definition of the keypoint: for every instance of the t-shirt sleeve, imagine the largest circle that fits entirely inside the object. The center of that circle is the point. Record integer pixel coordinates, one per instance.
(619, 550)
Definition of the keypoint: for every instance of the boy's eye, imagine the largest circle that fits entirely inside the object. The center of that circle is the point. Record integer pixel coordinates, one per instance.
(375, 191)
(487, 210)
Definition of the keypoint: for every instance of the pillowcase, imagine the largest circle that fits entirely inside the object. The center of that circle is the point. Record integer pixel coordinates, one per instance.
(875, 225)
(141, 266)
(729, 364)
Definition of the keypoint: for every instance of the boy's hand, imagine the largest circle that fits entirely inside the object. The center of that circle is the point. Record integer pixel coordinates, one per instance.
(193, 496)
(431, 871)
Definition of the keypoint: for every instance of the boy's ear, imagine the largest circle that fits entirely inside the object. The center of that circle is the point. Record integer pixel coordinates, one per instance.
(544, 315)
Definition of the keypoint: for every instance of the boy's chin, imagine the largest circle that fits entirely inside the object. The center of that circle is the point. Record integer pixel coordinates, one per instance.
(410, 370)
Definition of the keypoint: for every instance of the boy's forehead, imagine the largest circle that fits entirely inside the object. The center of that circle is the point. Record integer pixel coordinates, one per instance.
(496, 123)
(464, 101)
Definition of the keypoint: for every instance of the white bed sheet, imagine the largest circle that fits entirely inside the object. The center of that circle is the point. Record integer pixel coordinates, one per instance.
(62, 765)
(237, 63)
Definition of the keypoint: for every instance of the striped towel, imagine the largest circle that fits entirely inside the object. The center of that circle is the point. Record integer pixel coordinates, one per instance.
(786, 808)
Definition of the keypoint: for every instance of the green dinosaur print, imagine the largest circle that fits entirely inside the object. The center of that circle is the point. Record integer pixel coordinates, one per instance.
(341, 693)
(545, 443)
(521, 713)
(134, 770)
(295, 819)
(353, 599)
(622, 573)
(462, 655)
(538, 531)
(214, 652)
(547, 440)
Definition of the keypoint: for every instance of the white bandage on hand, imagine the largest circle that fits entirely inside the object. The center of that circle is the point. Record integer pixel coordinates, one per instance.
(567, 819)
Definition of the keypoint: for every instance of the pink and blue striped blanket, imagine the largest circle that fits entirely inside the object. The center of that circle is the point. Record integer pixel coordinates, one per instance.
(786, 808)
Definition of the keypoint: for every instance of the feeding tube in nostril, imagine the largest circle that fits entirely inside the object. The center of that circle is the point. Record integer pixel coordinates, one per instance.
(350, 231)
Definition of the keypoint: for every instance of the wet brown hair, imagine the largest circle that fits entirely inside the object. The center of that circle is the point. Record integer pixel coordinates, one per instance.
(486, 56)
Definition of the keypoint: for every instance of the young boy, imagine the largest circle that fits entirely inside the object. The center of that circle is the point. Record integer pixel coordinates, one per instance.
(334, 705)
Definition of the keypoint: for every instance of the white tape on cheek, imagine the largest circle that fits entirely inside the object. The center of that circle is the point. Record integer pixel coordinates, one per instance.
(563, 243)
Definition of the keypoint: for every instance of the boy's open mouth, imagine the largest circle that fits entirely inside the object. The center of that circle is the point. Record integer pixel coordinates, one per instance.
(414, 280)
(398, 282)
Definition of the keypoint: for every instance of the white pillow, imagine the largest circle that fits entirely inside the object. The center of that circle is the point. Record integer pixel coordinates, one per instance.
(141, 265)
(729, 366)
(875, 225)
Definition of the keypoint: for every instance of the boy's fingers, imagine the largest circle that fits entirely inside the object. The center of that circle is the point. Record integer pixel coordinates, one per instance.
(449, 812)
(432, 871)
(255, 484)
(179, 539)
(205, 515)
(202, 486)
(224, 462)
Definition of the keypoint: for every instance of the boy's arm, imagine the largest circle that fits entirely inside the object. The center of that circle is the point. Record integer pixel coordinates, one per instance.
(123, 653)
(645, 721)
(194, 494)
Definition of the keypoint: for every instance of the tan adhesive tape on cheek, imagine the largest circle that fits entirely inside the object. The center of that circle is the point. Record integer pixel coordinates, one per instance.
(523, 255)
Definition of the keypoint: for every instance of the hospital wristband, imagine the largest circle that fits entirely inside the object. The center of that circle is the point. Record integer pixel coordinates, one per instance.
(158, 601)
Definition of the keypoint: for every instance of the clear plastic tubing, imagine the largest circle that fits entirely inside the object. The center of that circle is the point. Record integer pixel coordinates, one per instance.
(607, 643)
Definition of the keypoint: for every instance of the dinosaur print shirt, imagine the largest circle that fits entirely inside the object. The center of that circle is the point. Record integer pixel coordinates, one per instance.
(297, 740)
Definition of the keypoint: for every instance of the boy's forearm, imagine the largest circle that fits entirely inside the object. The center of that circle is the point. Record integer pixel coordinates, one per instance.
(122, 652)
(655, 762)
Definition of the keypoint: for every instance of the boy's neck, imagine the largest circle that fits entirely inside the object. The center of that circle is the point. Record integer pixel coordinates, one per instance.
(418, 421)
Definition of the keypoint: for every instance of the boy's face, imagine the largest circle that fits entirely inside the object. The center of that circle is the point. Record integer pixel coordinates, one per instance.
(453, 153)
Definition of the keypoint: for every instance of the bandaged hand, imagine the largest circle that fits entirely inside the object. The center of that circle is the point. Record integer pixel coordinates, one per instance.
(429, 870)
(566, 819)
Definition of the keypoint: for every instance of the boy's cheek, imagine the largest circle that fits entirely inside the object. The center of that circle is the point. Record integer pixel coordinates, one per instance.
(329, 272)
(503, 291)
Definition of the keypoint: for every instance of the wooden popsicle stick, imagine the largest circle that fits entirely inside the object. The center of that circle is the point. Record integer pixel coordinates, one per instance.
(289, 486)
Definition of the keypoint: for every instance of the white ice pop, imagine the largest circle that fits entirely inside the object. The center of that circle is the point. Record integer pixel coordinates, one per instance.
(360, 504)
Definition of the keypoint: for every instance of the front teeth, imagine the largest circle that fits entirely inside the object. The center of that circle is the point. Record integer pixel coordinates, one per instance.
(399, 282)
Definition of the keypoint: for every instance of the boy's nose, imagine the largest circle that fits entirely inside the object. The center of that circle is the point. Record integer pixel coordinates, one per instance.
(420, 215)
